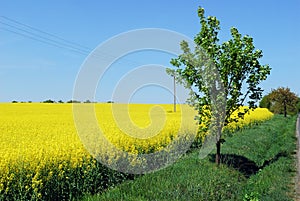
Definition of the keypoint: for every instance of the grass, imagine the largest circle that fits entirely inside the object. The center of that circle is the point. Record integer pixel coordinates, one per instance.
(257, 164)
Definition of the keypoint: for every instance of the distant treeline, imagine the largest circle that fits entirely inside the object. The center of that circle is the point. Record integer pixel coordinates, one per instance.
(60, 101)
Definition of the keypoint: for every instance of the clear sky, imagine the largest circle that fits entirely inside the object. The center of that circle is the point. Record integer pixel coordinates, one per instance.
(31, 70)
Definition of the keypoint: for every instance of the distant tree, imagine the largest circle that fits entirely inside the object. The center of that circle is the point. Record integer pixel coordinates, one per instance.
(87, 101)
(60, 101)
(237, 63)
(29, 101)
(73, 101)
(110, 101)
(49, 101)
(265, 102)
(298, 105)
(283, 101)
(14, 101)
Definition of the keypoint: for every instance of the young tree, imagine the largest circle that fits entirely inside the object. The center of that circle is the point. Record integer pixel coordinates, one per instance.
(237, 64)
(283, 100)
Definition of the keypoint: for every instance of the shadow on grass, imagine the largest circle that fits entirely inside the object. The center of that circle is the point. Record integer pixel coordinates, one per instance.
(244, 165)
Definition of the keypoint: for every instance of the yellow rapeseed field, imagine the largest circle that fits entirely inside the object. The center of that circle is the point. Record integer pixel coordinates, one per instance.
(43, 158)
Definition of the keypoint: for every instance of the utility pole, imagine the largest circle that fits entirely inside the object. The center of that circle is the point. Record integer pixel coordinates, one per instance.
(172, 73)
(174, 92)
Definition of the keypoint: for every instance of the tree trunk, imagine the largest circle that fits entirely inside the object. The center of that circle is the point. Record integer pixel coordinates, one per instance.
(218, 154)
(285, 110)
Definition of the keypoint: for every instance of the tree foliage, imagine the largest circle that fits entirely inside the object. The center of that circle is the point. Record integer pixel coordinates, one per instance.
(265, 102)
(237, 67)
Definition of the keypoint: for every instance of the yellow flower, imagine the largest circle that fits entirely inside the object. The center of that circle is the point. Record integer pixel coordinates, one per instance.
(41, 140)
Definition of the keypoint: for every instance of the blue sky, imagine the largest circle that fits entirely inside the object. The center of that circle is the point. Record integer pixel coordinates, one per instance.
(31, 70)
